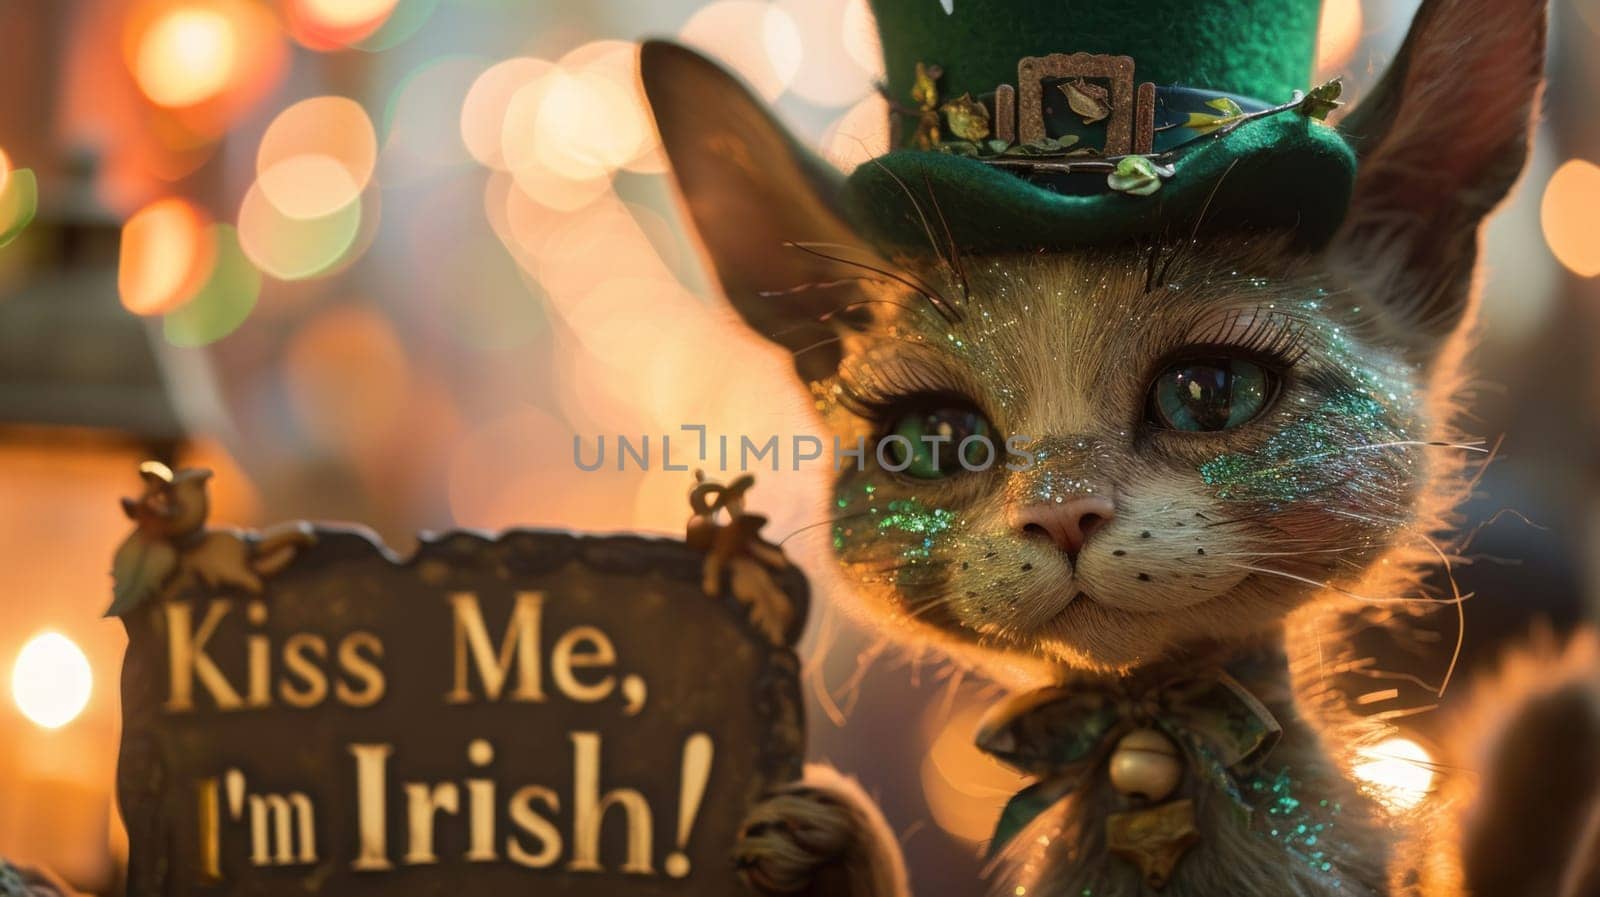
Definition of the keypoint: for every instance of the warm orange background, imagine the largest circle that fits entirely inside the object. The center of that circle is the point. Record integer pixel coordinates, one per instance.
(392, 255)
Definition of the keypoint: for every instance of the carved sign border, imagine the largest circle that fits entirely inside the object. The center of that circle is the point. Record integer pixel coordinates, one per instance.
(144, 786)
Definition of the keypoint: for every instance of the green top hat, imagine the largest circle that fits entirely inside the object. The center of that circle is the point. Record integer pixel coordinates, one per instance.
(1045, 124)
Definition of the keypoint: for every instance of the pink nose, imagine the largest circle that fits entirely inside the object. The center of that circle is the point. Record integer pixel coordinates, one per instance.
(1068, 524)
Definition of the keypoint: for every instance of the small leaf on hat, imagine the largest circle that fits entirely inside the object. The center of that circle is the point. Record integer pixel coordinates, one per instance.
(1322, 99)
(1091, 101)
(1228, 112)
(968, 118)
(964, 148)
(1138, 176)
(994, 147)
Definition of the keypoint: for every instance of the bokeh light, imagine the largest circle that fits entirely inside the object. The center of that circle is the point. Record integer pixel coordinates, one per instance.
(5, 170)
(19, 201)
(759, 41)
(861, 39)
(1566, 214)
(316, 157)
(861, 134)
(166, 255)
(330, 24)
(223, 302)
(186, 56)
(1339, 34)
(828, 73)
(291, 248)
(347, 378)
(585, 126)
(51, 680)
(517, 471)
(406, 19)
(202, 63)
(1399, 771)
(483, 115)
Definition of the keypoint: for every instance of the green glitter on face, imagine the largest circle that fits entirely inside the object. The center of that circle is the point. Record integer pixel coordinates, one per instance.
(907, 515)
(1298, 460)
(1301, 828)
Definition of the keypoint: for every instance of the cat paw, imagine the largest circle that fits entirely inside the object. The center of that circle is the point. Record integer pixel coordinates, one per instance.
(822, 836)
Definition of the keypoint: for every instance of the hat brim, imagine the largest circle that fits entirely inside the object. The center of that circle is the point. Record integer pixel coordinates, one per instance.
(1284, 172)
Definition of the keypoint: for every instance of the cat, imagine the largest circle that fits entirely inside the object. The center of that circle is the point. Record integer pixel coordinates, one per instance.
(1225, 428)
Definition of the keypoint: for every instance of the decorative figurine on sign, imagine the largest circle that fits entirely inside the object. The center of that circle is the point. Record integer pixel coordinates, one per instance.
(171, 541)
(1149, 349)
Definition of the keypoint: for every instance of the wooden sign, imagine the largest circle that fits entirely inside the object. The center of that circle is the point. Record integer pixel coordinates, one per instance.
(534, 712)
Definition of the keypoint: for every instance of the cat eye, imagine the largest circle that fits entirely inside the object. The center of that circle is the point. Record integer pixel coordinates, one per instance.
(1210, 395)
(937, 439)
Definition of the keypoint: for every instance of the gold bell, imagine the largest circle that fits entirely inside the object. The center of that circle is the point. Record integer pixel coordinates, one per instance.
(1145, 763)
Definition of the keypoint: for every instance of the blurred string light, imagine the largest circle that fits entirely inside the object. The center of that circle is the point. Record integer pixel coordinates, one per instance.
(19, 202)
(483, 113)
(186, 56)
(1338, 35)
(316, 157)
(402, 24)
(859, 32)
(371, 25)
(829, 73)
(223, 302)
(203, 62)
(759, 40)
(303, 215)
(347, 378)
(1398, 771)
(334, 24)
(51, 680)
(564, 128)
(290, 248)
(165, 257)
(1566, 215)
(861, 134)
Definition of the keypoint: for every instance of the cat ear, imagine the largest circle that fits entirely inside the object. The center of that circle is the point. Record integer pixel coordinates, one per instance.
(1441, 139)
(753, 193)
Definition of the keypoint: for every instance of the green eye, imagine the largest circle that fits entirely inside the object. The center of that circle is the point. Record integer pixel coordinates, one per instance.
(937, 442)
(1205, 396)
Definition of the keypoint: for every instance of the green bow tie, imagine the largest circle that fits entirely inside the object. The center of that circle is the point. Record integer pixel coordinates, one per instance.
(1060, 734)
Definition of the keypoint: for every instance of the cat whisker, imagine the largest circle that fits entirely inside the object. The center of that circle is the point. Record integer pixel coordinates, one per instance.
(828, 522)
(1194, 233)
(1263, 518)
(910, 281)
(1271, 554)
(1353, 669)
(1461, 614)
(956, 264)
(1367, 599)
(828, 315)
(927, 229)
(821, 285)
(839, 337)
(1371, 519)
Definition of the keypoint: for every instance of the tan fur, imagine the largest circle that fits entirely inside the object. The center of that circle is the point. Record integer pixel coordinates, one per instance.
(1209, 550)
(1079, 366)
